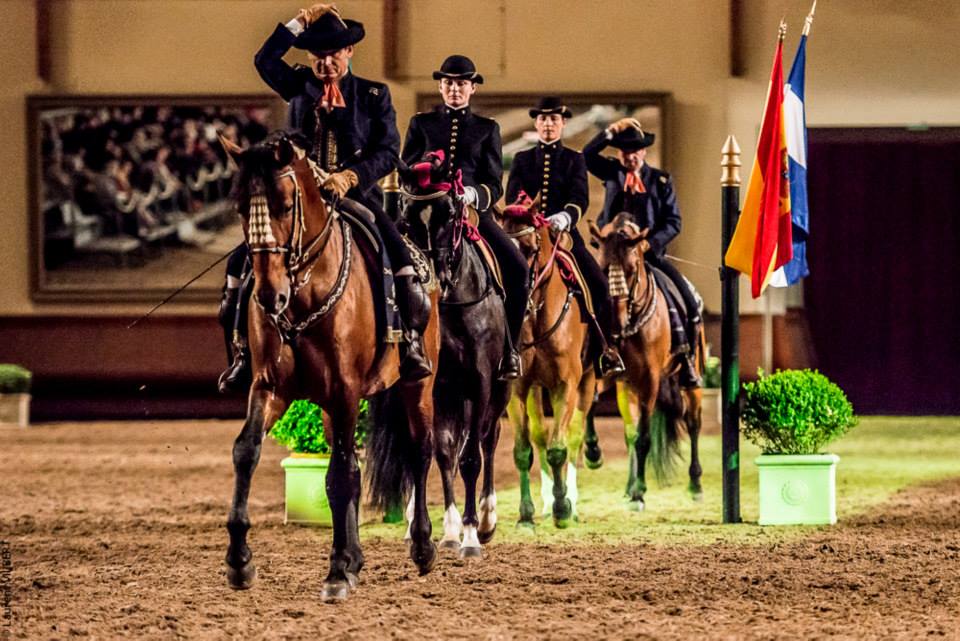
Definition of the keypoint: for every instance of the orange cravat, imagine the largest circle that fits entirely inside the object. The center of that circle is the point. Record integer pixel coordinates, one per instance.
(633, 184)
(331, 96)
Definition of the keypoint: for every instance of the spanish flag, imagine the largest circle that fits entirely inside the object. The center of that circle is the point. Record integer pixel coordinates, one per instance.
(762, 241)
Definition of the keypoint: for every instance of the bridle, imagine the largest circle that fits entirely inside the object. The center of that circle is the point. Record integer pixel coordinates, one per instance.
(300, 256)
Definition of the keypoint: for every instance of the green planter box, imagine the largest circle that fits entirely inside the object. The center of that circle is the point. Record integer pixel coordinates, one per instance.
(306, 489)
(798, 489)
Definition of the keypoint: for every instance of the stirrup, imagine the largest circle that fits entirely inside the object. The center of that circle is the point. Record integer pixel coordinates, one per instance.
(237, 377)
(611, 364)
(511, 366)
(414, 363)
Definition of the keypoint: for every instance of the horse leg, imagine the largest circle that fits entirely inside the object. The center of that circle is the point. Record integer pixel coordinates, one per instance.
(264, 409)
(522, 454)
(420, 414)
(592, 453)
(641, 448)
(538, 436)
(563, 399)
(343, 489)
(630, 420)
(470, 471)
(447, 462)
(488, 494)
(693, 420)
(575, 435)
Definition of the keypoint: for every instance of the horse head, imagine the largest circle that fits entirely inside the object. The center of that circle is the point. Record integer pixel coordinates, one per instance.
(523, 222)
(621, 242)
(277, 199)
(431, 216)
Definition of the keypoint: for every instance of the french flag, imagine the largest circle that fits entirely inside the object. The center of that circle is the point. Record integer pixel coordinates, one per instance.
(795, 129)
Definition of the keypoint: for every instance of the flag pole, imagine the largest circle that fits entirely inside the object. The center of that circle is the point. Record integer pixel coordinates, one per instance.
(730, 333)
(808, 22)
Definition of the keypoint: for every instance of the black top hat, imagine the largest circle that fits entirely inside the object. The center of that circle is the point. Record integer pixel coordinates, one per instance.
(459, 68)
(330, 33)
(551, 105)
(632, 139)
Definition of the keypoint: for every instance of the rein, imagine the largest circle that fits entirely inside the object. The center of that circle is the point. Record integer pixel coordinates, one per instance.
(542, 276)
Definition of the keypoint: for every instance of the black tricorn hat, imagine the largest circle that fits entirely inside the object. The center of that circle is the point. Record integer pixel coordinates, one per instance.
(632, 139)
(459, 68)
(330, 33)
(551, 105)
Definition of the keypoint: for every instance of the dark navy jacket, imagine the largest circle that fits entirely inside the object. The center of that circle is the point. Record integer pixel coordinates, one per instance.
(366, 129)
(557, 173)
(470, 142)
(656, 210)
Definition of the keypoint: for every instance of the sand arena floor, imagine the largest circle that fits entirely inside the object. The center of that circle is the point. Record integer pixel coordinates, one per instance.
(117, 530)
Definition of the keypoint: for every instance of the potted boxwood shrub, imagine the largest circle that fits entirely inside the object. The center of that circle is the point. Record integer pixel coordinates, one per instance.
(791, 415)
(300, 430)
(712, 413)
(15, 395)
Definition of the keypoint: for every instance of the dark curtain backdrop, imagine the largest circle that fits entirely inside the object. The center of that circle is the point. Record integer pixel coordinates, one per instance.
(883, 297)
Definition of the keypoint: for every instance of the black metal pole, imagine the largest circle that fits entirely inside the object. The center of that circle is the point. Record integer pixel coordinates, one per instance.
(730, 335)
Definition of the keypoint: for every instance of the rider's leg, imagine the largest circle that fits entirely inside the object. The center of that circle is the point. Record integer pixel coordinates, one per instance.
(515, 282)
(686, 337)
(234, 322)
(412, 301)
(610, 361)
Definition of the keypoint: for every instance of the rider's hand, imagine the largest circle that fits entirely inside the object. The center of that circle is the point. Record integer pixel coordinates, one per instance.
(308, 16)
(559, 221)
(341, 182)
(469, 196)
(623, 124)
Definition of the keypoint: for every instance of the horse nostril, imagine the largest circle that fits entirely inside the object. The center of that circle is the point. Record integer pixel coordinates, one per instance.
(281, 300)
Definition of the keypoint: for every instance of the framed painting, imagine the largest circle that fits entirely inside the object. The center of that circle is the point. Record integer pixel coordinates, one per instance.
(130, 195)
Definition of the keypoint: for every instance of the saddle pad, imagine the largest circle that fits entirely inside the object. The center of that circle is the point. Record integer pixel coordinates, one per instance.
(490, 260)
(571, 273)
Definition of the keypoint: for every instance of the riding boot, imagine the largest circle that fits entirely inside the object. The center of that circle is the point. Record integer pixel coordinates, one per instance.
(511, 366)
(414, 305)
(689, 377)
(237, 376)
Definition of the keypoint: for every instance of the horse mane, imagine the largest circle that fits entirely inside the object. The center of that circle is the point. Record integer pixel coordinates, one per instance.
(258, 165)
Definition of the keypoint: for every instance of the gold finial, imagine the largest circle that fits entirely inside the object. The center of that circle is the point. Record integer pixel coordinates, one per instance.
(808, 22)
(730, 162)
(783, 29)
(391, 182)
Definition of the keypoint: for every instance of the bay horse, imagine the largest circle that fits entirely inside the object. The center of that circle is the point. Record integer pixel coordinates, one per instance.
(654, 407)
(554, 343)
(313, 335)
(468, 397)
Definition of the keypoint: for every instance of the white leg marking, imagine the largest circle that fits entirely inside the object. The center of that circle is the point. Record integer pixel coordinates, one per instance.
(452, 525)
(546, 492)
(470, 538)
(488, 512)
(409, 515)
(572, 492)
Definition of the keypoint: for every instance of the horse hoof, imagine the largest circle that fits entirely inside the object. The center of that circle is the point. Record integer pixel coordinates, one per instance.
(526, 527)
(335, 591)
(486, 537)
(637, 506)
(467, 553)
(562, 523)
(426, 560)
(241, 578)
(594, 465)
(697, 496)
(450, 545)
(353, 580)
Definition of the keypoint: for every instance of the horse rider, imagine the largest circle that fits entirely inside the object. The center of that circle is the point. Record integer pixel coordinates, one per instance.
(558, 175)
(351, 123)
(647, 193)
(472, 145)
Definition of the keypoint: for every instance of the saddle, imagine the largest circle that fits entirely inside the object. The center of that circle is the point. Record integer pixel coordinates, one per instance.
(486, 253)
(370, 244)
(679, 314)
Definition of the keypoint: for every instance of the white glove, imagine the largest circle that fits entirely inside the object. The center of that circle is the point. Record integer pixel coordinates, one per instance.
(559, 221)
(469, 196)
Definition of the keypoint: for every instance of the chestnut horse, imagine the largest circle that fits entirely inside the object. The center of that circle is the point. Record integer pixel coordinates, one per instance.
(554, 343)
(313, 335)
(651, 401)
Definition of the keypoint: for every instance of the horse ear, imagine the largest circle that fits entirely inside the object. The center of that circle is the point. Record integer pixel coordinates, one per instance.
(595, 231)
(284, 152)
(233, 150)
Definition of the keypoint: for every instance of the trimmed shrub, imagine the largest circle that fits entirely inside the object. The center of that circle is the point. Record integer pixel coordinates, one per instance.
(795, 412)
(14, 379)
(300, 429)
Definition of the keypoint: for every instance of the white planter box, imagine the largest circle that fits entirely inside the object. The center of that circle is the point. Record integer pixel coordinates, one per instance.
(15, 409)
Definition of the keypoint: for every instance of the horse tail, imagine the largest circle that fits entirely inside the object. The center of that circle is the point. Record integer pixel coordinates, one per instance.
(388, 452)
(666, 428)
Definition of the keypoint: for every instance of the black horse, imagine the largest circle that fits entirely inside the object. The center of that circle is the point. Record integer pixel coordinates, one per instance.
(468, 398)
